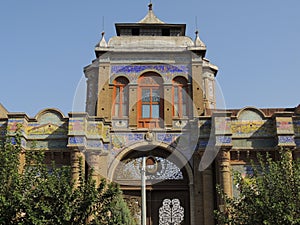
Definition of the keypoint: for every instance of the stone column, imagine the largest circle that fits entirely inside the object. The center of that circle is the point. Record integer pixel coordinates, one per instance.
(77, 160)
(225, 174)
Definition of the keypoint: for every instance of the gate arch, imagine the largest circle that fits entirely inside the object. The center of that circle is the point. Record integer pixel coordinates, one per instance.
(173, 190)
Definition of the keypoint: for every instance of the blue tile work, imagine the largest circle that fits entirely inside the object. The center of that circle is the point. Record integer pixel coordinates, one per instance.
(286, 140)
(223, 140)
(167, 138)
(76, 140)
(166, 70)
(95, 144)
(135, 137)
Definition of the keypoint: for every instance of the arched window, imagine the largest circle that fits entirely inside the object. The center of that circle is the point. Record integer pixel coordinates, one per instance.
(150, 111)
(120, 106)
(180, 97)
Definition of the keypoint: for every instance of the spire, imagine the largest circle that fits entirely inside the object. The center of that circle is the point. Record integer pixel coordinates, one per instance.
(150, 17)
(198, 42)
(102, 43)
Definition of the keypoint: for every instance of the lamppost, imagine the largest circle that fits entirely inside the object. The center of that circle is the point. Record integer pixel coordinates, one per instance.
(149, 164)
(143, 177)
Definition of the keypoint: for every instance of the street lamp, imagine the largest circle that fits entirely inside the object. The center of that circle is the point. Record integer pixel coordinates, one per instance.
(149, 165)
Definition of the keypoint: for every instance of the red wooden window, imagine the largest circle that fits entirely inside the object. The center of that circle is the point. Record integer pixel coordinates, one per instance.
(120, 106)
(150, 107)
(180, 97)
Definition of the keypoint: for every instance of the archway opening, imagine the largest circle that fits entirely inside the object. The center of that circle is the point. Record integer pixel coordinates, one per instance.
(167, 185)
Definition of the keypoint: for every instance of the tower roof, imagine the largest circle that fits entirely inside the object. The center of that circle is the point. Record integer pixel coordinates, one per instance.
(150, 18)
(150, 25)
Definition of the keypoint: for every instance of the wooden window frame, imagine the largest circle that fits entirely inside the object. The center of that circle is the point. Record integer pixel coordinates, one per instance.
(182, 89)
(118, 97)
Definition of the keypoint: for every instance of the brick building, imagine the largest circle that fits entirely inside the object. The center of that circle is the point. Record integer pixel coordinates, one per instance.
(151, 93)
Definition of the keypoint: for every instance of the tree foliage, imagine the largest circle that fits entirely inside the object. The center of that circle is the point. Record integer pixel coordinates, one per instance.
(41, 194)
(270, 196)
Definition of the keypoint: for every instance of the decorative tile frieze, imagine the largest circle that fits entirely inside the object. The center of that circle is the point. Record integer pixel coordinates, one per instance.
(286, 140)
(132, 72)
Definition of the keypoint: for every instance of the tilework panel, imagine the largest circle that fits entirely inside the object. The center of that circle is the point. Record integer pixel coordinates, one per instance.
(13, 123)
(46, 129)
(95, 128)
(222, 125)
(76, 140)
(286, 140)
(284, 125)
(256, 128)
(94, 144)
(119, 141)
(133, 71)
(223, 140)
(76, 125)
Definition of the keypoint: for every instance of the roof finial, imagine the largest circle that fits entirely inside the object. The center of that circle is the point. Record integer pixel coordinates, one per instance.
(150, 5)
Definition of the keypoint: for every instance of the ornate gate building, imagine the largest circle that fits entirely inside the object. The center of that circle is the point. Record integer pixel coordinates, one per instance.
(151, 93)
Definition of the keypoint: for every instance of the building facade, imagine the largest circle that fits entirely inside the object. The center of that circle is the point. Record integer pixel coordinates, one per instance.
(151, 93)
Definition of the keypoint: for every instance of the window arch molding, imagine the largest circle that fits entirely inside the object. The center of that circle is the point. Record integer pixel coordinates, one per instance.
(120, 97)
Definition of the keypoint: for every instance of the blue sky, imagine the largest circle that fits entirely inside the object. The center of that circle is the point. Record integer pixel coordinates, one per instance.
(44, 46)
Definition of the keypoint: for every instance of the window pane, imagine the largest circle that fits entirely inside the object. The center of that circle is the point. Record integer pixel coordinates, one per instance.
(124, 110)
(146, 95)
(145, 111)
(155, 96)
(125, 94)
(117, 98)
(175, 95)
(155, 111)
(117, 109)
(184, 109)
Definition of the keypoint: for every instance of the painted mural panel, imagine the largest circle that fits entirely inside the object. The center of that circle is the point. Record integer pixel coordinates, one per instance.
(76, 126)
(13, 124)
(95, 128)
(252, 128)
(284, 125)
(47, 129)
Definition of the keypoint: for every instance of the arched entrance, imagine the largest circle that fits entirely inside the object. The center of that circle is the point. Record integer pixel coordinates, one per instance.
(168, 193)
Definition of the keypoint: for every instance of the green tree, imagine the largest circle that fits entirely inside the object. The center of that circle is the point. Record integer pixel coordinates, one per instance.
(270, 196)
(44, 194)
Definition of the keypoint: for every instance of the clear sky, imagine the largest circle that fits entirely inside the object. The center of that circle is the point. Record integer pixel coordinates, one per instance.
(44, 46)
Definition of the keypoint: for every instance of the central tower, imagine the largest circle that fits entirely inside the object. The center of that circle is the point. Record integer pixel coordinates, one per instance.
(150, 58)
